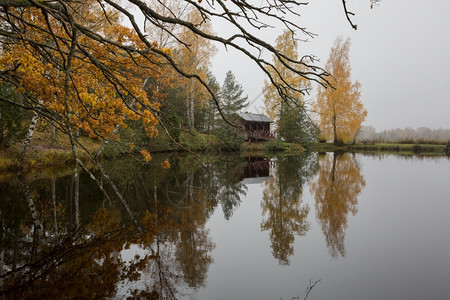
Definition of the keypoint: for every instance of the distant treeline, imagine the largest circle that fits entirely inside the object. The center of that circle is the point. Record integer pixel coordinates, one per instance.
(405, 135)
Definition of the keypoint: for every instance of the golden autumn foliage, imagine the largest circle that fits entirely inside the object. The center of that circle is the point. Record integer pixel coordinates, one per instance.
(341, 112)
(283, 77)
(336, 192)
(81, 83)
(195, 56)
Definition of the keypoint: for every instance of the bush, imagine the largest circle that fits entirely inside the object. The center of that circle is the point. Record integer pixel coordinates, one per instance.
(280, 146)
(274, 146)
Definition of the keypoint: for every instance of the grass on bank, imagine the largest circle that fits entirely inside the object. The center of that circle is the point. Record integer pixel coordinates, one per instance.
(45, 152)
(398, 148)
(270, 148)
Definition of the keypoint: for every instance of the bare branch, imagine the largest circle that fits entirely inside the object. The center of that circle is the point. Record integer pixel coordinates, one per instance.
(348, 14)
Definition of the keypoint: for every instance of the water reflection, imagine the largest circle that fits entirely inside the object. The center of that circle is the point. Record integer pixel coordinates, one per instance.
(336, 190)
(60, 236)
(284, 213)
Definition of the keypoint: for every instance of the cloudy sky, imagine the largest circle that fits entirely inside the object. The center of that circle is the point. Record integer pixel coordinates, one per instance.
(400, 54)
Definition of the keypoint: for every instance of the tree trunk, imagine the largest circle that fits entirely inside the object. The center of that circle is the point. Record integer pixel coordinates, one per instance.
(356, 135)
(106, 142)
(30, 132)
(335, 137)
(190, 104)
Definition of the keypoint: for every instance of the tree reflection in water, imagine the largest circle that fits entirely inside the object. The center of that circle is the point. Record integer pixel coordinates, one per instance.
(59, 237)
(336, 190)
(284, 213)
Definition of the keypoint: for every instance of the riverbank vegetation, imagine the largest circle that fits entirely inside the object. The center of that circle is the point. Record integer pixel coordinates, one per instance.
(425, 148)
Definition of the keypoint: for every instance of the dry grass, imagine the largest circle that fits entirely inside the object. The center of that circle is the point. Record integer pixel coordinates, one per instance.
(45, 152)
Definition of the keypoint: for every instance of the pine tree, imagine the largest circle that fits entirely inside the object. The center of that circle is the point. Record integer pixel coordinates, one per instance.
(232, 98)
(232, 103)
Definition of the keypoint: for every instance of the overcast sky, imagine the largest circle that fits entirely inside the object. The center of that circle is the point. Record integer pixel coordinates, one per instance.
(400, 54)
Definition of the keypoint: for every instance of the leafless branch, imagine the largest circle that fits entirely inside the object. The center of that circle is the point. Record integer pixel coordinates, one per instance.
(309, 288)
(348, 14)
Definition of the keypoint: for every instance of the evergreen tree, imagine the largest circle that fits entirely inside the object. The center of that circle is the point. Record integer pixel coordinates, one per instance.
(209, 113)
(232, 103)
(295, 126)
(232, 99)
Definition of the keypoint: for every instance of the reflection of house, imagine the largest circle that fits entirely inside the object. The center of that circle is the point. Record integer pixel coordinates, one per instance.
(256, 170)
(256, 126)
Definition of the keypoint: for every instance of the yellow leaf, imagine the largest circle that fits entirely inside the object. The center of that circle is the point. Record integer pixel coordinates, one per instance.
(146, 155)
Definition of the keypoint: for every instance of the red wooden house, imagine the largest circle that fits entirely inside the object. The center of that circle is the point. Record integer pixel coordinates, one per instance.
(256, 126)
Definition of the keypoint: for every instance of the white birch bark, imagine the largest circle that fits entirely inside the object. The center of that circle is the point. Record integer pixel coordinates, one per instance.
(34, 216)
(30, 132)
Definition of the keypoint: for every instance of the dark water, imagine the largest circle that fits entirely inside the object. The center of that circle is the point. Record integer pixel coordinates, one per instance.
(346, 226)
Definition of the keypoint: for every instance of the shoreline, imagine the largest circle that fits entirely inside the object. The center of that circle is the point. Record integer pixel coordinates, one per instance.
(58, 155)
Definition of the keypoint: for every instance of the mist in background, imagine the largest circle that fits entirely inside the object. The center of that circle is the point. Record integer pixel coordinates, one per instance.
(399, 54)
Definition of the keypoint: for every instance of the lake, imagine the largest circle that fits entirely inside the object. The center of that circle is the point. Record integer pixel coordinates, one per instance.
(315, 226)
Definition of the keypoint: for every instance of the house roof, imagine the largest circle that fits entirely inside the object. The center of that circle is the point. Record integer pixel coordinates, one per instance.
(255, 117)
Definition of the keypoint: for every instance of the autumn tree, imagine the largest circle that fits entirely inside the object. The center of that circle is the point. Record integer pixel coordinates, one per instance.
(278, 103)
(164, 20)
(195, 55)
(74, 81)
(293, 124)
(340, 109)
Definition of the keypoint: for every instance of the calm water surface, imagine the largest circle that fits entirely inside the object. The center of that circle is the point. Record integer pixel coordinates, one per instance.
(349, 226)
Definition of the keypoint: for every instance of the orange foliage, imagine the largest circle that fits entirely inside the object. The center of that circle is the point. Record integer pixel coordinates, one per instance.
(341, 111)
(106, 81)
(283, 76)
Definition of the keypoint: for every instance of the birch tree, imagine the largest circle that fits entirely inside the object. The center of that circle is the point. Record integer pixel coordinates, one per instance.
(276, 101)
(195, 55)
(340, 109)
